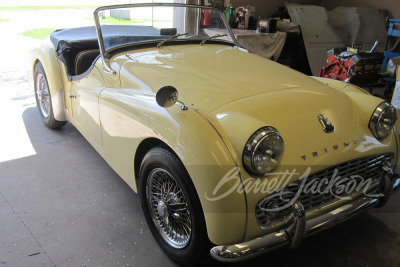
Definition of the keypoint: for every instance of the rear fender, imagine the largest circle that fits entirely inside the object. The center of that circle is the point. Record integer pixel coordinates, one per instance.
(46, 55)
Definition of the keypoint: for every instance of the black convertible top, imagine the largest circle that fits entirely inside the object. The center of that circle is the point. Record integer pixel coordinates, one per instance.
(69, 42)
(84, 37)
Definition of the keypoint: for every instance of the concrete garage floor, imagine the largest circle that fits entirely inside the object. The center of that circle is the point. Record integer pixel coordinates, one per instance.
(62, 205)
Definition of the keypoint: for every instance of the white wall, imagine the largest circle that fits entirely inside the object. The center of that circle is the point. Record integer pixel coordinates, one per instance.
(392, 6)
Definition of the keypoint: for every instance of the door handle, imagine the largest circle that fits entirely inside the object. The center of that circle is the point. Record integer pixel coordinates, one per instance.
(71, 96)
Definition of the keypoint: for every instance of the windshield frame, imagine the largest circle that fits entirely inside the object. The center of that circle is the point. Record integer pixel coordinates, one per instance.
(105, 55)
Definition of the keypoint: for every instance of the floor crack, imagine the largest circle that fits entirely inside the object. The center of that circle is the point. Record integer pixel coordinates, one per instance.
(27, 228)
(56, 141)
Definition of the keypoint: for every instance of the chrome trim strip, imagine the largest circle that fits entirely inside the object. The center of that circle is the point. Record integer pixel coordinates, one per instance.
(103, 54)
(233, 36)
(86, 73)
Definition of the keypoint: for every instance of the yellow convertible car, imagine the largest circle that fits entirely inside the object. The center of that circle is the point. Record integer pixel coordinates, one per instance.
(232, 154)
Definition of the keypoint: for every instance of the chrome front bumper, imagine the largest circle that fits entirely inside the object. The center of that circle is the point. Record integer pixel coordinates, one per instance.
(293, 235)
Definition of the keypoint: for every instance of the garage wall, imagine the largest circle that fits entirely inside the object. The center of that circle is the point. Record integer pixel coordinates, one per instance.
(392, 6)
(265, 8)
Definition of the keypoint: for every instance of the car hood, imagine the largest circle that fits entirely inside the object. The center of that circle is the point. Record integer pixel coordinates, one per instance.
(240, 93)
(208, 76)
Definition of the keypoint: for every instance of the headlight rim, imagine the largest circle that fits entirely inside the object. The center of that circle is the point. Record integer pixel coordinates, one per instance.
(249, 153)
(377, 115)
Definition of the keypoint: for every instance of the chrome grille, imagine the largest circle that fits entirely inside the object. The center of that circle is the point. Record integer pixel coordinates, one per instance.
(365, 168)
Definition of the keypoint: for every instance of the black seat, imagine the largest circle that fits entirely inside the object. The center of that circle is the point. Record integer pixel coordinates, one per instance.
(85, 59)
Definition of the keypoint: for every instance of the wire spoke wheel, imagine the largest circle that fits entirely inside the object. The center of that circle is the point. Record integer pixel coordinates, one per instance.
(172, 207)
(168, 208)
(43, 95)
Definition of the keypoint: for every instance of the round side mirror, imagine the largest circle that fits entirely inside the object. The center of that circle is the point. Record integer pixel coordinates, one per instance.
(167, 96)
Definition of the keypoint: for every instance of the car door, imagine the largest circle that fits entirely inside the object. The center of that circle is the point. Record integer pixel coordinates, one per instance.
(84, 96)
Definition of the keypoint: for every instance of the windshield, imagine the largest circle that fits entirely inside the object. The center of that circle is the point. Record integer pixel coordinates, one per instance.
(159, 23)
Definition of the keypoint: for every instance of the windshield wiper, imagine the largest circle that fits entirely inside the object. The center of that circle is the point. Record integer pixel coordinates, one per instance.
(170, 38)
(212, 37)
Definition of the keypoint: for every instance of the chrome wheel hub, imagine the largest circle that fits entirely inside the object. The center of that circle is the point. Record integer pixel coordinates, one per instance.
(168, 208)
(43, 95)
(162, 209)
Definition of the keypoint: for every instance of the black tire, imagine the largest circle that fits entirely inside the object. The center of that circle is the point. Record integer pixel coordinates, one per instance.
(43, 98)
(160, 164)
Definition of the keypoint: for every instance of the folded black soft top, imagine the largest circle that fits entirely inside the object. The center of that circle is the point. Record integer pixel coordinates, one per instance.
(69, 42)
(86, 37)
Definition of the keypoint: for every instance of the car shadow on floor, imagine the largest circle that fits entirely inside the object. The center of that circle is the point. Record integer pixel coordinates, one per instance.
(66, 206)
(361, 241)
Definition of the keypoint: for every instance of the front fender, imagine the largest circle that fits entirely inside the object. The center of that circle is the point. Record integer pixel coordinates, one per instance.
(129, 117)
(216, 176)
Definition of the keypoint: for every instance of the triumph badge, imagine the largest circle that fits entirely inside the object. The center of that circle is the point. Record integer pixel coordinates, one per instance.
(326, 124)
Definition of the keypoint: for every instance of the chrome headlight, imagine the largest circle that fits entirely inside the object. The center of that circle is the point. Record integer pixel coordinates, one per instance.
(382, 120)
(263, 151)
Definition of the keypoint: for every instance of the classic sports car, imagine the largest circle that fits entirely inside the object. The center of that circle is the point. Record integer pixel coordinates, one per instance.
(250, 156)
